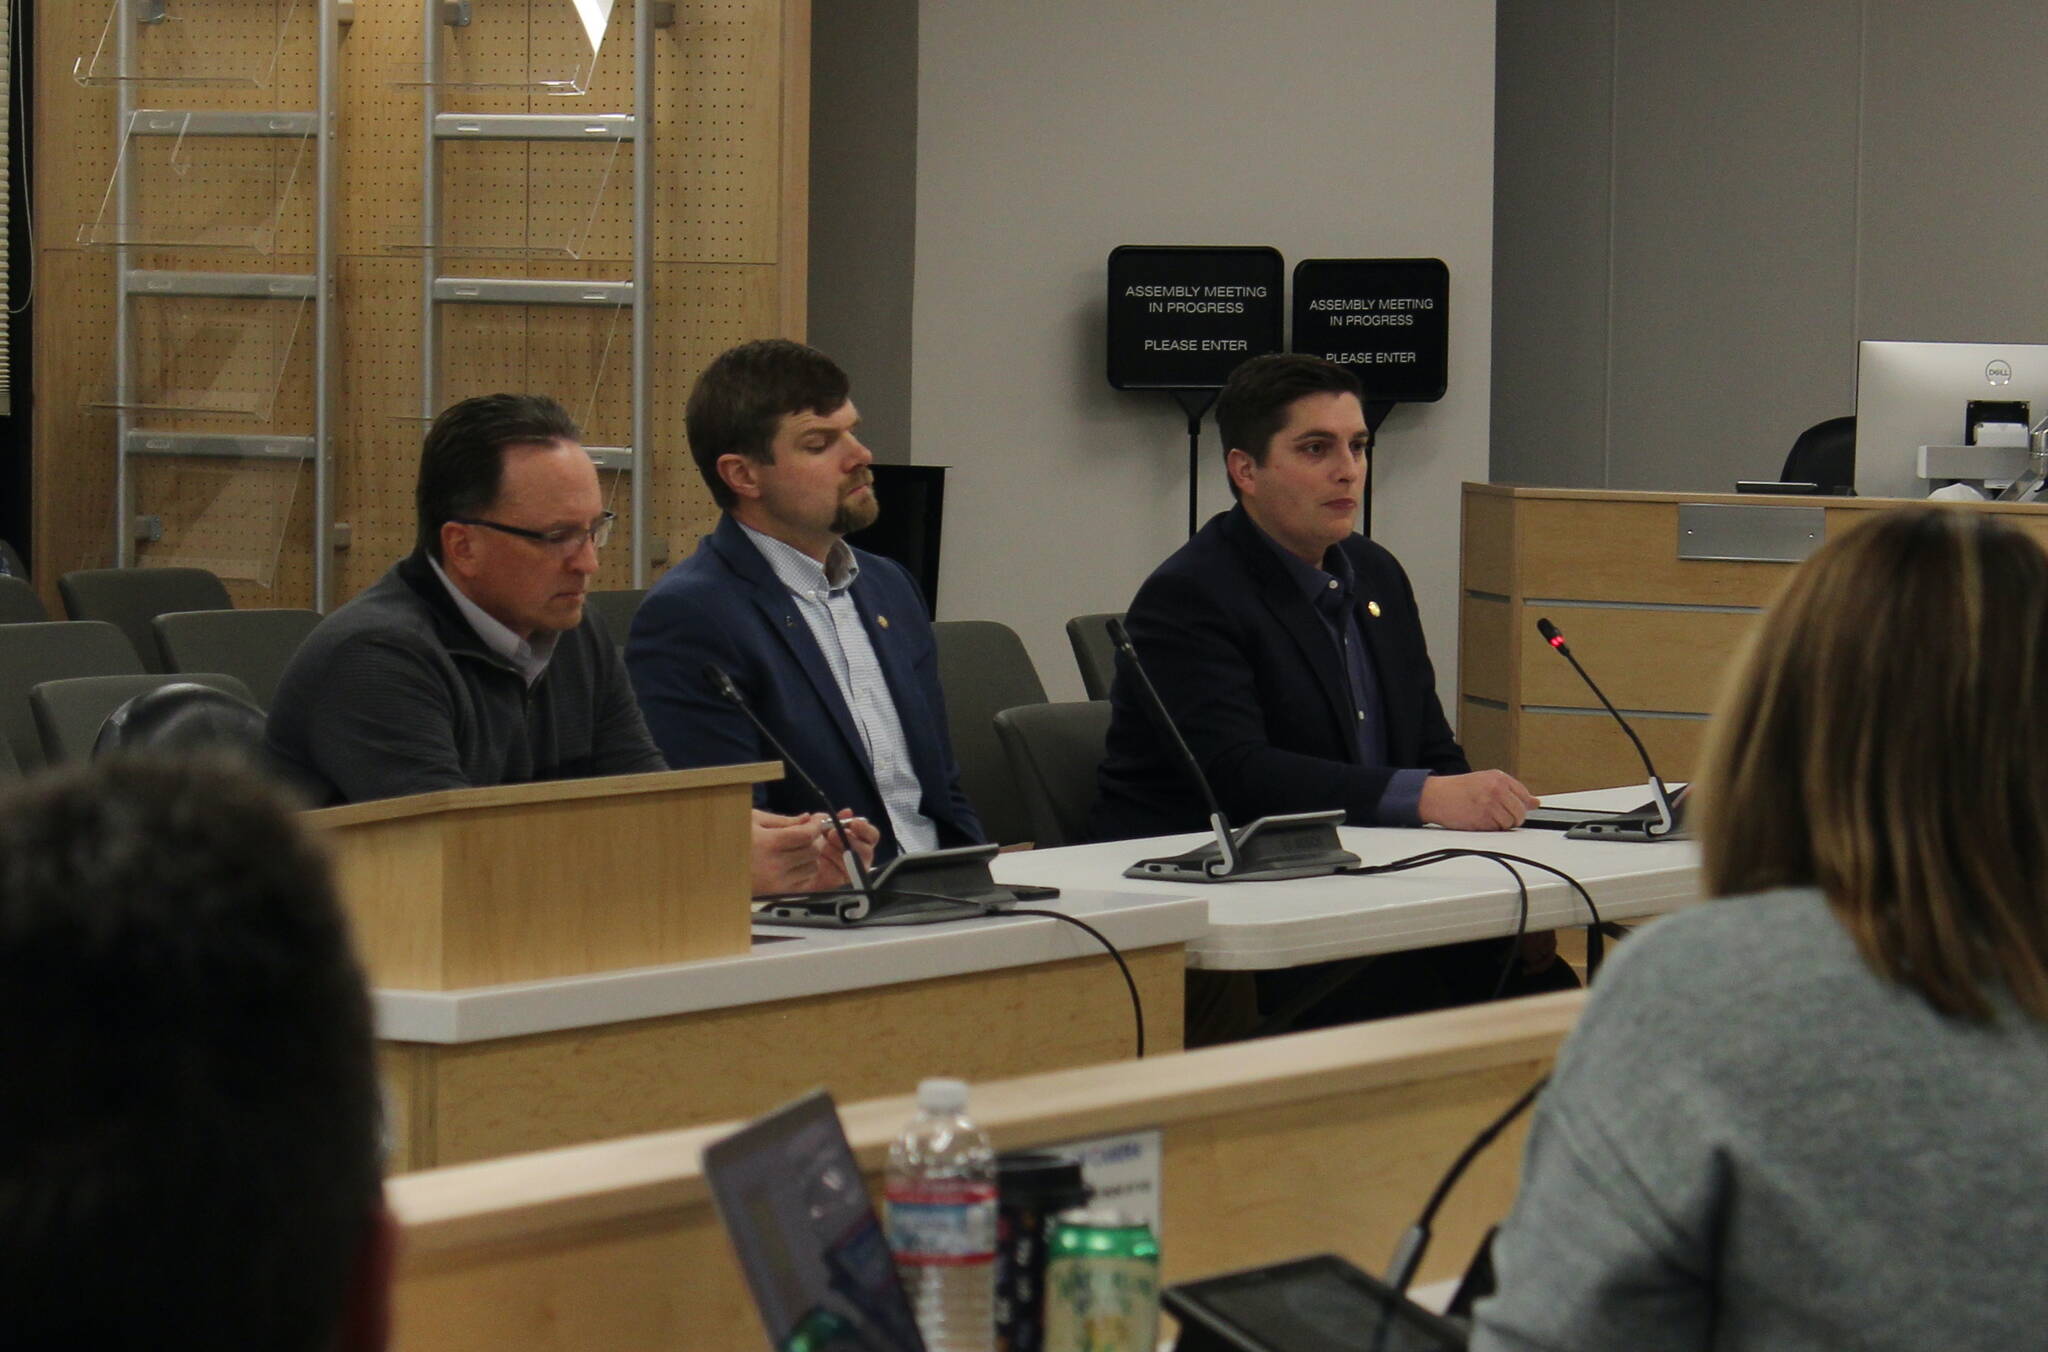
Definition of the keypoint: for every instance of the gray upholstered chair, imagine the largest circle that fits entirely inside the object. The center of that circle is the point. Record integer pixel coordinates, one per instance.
(19, 603)
(615, 610)
(1093, 652)
(129, 598)
(254, 645)
(54, 650)
(983, 669)
(70, 713)
(1054, 751)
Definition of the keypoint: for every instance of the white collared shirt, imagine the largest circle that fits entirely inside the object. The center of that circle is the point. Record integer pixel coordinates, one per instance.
(530, 656)
(824, 597)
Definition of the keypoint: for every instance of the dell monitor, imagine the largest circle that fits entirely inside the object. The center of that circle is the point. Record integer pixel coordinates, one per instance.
(1910, 395)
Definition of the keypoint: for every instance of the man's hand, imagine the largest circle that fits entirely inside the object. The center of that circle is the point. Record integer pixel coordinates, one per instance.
(860, 833)
(1485, 800)
(786, 852)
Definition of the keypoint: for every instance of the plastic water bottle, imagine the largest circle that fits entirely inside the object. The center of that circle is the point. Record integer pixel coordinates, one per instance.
(941, 1205)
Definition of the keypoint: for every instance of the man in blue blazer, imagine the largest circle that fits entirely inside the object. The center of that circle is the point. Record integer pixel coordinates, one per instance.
(830, 644)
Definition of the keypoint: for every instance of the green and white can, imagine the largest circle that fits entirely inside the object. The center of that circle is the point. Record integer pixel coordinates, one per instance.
(1101, 1283)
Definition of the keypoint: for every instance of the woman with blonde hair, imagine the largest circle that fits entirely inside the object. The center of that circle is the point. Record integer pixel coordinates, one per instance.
(1815, 1114)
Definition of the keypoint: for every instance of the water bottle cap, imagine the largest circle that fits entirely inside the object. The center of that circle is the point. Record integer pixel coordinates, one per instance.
(941, 1096)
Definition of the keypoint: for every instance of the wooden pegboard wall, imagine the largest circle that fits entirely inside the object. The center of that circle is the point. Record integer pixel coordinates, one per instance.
(729, 203)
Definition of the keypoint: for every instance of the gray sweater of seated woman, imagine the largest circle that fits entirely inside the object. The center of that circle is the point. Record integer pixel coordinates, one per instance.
(1753, 1141)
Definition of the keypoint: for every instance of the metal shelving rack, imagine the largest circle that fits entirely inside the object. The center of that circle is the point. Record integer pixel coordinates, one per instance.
(439, 289)
(132, 437)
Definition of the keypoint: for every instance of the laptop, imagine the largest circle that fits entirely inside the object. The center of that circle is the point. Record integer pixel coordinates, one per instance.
(806, 1235)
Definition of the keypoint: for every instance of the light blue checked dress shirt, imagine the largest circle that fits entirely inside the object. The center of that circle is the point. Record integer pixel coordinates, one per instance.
(824, 598)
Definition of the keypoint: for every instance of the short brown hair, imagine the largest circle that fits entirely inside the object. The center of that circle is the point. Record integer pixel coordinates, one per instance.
(1882, 741)
(743, 396)
(1253, 405)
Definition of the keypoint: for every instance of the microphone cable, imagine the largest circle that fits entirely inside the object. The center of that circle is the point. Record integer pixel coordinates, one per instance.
(978, 908)
(1130, 983)
(1595, 930)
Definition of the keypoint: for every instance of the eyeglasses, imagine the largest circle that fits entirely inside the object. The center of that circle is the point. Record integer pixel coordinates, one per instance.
(566, 541)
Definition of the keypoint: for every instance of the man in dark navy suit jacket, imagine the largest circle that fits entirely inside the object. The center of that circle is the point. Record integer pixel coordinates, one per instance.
(830, 644)
(1289, 650)
(1288, 646)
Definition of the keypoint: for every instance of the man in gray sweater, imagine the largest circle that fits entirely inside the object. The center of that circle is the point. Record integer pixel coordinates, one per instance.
(473, 662)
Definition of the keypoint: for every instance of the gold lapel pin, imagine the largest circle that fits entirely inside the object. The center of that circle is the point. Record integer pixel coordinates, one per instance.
(882, 620)
(1372, 608)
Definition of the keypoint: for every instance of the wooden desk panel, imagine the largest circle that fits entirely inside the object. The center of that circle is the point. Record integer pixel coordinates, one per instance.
(1666, 647)
(1663, 660)
(452, 1103)
(1296, 1145)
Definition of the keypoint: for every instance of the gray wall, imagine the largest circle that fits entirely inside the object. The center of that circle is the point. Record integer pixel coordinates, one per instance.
(1702, 206)
(863, 227)
(1049, 133)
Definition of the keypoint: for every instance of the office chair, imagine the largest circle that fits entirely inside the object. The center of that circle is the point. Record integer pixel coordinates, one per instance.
(983, 670)
(72, 715)
(252, 645)
(1054, 751)
(54, 650)
(1824, 454)
(615, 610)
(1093, 652)
(129, 598)
(19, 603)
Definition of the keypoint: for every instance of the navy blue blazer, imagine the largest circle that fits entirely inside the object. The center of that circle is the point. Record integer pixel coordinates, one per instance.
(724, 604)
(1256, 686)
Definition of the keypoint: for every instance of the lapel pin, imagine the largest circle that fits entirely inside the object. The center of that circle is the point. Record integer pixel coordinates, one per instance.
(1372, 608)
(882, 620)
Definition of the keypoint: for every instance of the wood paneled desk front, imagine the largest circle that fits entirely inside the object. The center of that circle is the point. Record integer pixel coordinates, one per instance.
(1654, 591)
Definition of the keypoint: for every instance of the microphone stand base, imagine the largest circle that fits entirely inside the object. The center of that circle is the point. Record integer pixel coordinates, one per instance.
(1299, 845)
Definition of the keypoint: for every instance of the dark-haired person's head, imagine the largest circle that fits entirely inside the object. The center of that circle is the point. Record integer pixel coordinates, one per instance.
(1295, 445)
(189, 1126)
(509, 506)
(771, 426)
(1878, 742)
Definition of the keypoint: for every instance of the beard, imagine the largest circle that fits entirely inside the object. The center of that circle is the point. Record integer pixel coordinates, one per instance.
(856, 513)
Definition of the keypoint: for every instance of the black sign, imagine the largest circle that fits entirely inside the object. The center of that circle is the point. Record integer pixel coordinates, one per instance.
(1182, 318)
(1388, 319)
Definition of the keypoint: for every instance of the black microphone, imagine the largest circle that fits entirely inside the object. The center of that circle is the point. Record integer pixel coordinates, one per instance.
(1667, 816)
(913, 889)
(1226, 861)
(724, 685)
(1295, 845)
(1414, 1240)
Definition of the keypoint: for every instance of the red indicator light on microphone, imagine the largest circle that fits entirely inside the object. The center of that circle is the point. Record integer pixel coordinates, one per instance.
(1557, 640)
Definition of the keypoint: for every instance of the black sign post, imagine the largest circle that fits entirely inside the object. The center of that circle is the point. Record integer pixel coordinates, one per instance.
(1181, 319)
(1385, 319)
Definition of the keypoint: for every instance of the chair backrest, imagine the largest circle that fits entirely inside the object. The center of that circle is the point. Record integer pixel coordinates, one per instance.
(19, 603)
(983, 668)
(1054, 751)
(615, 610)
(129, 598)
(1093, 652)
(52, 651)
(1824, 454)
(70, 713)
(254, 645)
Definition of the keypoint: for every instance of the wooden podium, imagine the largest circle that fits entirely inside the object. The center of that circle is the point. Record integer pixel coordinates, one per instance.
(479, 887)
(575, 960)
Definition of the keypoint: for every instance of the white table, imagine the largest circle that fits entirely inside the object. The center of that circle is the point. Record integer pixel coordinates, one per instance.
(1265, 925)
(789, 963)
